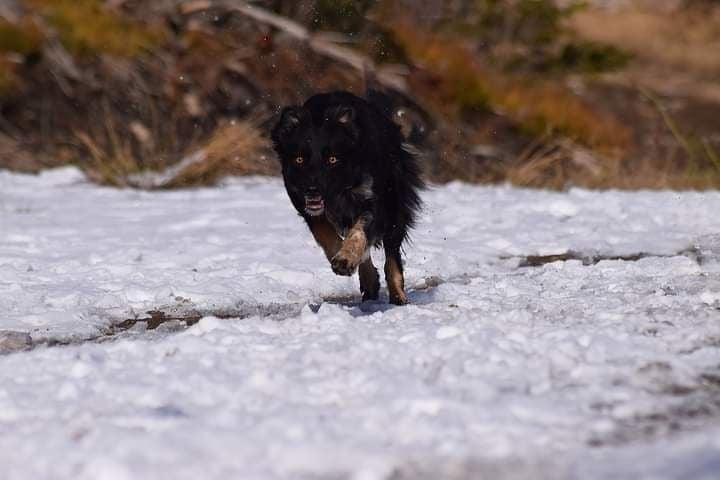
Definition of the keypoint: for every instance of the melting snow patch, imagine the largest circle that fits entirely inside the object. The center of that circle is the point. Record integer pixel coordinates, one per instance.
(494, 372)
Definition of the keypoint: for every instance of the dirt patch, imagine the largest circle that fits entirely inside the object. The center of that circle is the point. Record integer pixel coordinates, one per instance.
(683, 408)
(590, 258)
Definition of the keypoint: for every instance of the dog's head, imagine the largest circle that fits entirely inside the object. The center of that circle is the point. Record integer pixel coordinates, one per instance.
(318, 145)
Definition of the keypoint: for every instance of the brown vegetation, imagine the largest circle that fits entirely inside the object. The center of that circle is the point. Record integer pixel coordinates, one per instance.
(538, 108)
(522, 91)
(237, 148)
(87, 27)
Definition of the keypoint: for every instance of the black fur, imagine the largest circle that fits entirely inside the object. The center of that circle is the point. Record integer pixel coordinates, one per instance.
(343, 160)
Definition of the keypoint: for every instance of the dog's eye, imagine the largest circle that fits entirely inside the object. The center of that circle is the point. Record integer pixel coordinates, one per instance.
(332, 159)
(299, 160)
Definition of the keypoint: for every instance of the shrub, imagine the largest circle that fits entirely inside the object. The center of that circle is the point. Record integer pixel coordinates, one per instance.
(530, 35)
(23, 38)
(591, 57)
(346, 16)
(537, 107)
(87, 27)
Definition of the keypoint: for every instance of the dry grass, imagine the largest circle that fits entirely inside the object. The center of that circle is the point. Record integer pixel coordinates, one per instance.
(537, 107)
(110, 158)
(235, 148)
(649, 173)
(555, 163)
(14, 157)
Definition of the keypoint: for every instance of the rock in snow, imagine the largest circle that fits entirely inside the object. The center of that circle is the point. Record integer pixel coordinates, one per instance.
(14, 341)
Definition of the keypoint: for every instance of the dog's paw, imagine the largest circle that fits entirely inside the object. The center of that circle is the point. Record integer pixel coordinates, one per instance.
(369, 282)
(342, 265)
(398, 298)
(370, 295)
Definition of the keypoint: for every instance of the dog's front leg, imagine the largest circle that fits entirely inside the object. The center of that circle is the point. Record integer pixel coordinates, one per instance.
(354, 249)
(325, 235)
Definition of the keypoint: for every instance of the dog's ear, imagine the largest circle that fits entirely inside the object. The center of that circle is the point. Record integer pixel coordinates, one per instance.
(290, 118)
(345, 115)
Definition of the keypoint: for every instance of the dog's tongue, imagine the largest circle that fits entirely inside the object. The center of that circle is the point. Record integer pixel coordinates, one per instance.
(314, 203)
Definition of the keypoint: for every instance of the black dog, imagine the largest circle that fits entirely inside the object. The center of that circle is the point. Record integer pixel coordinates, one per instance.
(349, 176)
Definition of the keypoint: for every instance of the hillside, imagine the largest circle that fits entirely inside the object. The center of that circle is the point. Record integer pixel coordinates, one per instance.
(618, 94)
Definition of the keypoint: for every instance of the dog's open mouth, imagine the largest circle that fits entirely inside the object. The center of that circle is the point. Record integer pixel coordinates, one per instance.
(314, 205)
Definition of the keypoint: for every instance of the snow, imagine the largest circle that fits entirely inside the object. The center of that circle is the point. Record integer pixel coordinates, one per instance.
(495, 370)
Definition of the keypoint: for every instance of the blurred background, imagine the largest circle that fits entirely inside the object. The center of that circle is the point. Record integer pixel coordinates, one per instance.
(543, 93)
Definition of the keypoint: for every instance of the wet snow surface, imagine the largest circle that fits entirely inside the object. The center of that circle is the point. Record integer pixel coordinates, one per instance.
(570, 369)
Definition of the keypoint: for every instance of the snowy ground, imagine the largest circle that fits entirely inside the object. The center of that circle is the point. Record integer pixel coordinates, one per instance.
(569, 369)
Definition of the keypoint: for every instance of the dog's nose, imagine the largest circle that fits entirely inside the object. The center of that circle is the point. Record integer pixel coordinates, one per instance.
(312, 192)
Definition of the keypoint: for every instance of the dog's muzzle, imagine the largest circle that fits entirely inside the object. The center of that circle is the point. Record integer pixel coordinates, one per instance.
(314, 205)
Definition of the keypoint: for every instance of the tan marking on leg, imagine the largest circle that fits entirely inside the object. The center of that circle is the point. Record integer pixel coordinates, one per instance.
(369, 280)
(395, 282)
(326, 236)
(352, 252)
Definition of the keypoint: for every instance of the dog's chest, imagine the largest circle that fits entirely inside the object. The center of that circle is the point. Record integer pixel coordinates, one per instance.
(348, 206)
(341, 223)
(342, 213)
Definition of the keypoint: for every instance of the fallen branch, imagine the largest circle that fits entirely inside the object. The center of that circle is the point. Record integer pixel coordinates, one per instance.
(153, 180)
